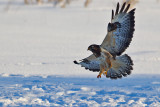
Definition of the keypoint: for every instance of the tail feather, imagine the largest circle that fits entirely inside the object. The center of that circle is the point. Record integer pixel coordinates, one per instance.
(122, 66)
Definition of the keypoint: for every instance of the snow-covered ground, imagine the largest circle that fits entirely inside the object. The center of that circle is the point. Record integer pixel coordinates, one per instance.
(38, 44)
(137, 91)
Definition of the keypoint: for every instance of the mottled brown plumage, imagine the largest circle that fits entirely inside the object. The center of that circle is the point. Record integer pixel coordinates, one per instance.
(106, 57)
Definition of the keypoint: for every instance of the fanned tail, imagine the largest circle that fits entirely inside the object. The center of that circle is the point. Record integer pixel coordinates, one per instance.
(122, 66)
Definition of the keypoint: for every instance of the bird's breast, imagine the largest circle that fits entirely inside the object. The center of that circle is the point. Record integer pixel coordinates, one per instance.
(104, 60)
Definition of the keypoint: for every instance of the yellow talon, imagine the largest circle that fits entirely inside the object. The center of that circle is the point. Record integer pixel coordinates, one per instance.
(105, 72)
(99, 76)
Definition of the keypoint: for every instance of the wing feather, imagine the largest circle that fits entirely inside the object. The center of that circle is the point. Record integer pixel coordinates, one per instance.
(112, 14)
(118, 38)
(91, 63)
(117, 9)
(120, 31)
(127, 8)
(123, 6)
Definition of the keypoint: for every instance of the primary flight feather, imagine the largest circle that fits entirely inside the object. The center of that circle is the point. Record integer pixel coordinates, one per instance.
(106, 57)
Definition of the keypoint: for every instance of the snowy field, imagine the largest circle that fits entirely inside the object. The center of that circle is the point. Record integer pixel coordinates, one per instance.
(38, 44)
(136, 91)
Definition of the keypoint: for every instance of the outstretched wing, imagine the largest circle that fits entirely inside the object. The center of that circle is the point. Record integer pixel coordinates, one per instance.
(120, 30)
(91, 63)
(118, 38)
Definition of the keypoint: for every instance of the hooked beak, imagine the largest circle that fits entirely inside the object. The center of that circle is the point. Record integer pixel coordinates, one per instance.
(89, 49)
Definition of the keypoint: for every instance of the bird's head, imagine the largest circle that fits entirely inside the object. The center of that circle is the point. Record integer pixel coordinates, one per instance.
(95, 49)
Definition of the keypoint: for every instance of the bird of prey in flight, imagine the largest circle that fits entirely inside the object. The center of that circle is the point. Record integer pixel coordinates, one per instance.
(106, 58)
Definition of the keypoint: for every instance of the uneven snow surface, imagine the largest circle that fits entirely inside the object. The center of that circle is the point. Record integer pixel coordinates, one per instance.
(38, 44)
(134, 91)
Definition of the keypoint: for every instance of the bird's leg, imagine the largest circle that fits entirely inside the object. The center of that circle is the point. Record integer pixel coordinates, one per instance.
(108, 69)
(101, 72)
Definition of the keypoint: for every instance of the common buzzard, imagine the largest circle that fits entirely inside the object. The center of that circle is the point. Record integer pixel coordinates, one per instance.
(106, 58)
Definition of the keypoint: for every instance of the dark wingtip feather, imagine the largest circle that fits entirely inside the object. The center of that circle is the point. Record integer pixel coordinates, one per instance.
(117, 9)
(75, 62)
(95, 70)
(127, 8)
(133, 10)
(112, 14)
(123, 6)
